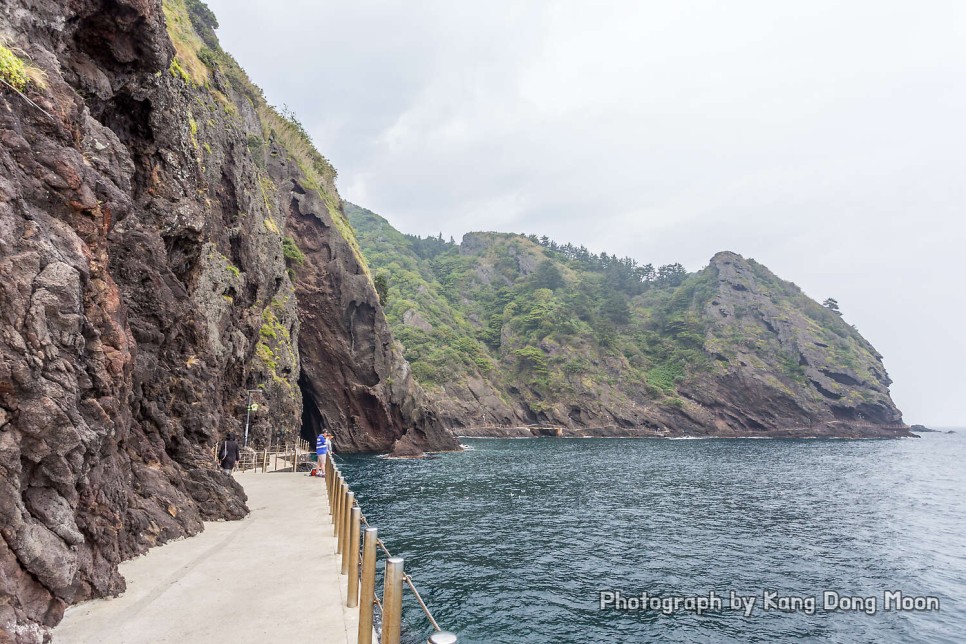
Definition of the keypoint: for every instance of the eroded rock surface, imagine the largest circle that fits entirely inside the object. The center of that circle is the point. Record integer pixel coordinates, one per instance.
(143, 290)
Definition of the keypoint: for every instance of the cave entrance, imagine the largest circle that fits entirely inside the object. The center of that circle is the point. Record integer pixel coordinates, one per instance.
(313, 422)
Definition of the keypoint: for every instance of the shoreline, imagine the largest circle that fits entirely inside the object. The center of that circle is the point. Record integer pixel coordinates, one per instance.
(825, 431)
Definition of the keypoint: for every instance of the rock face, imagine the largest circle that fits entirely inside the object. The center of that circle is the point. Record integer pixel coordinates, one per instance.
(144, 287)
(353, 376)
(786, 365)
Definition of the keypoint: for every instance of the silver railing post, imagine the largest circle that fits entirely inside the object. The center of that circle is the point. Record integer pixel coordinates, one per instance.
(330, 481)
(343, 489)
(329, 485)
(346, 528)
(368, 585)
(355, 520)
(392, 601)
(335, 498)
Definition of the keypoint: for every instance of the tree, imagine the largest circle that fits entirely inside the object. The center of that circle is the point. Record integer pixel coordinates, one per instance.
(832, 305)
(381, 283)
(671, 274)
(615, 309)
(547, 275)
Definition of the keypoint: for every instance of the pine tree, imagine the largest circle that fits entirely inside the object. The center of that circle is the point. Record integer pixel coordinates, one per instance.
(832, 305)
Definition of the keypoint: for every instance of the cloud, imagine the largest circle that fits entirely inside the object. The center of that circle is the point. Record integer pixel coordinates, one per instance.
(824, 139)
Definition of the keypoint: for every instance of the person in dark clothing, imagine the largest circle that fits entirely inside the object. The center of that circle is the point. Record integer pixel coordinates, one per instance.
(229, 454)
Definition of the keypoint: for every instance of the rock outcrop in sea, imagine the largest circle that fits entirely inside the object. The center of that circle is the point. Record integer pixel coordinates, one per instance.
(167, 242)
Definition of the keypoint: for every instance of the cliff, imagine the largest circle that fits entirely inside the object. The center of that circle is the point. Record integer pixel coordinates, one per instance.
(506, 330)
(167, 242)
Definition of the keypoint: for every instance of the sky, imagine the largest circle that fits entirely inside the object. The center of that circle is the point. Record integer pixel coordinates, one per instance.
(825, 139)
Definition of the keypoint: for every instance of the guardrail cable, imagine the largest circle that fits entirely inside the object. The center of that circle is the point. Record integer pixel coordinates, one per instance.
(429, 616)
(406, 578)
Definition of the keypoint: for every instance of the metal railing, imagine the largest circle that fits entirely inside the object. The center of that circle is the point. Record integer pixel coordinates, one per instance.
(274, 457)
(360, 566)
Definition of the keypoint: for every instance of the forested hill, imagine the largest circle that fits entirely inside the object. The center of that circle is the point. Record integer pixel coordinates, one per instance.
(504, 329)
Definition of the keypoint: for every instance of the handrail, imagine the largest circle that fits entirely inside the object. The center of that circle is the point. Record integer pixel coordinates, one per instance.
(407, 578)
(342, 506)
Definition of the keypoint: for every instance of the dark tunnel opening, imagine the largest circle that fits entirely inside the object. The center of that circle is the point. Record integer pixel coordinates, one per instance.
(312, 420)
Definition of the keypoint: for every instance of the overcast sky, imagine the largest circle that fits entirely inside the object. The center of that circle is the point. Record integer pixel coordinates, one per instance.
(825, 139)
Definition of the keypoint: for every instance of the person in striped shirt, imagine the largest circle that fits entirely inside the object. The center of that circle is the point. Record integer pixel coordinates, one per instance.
(322, 445)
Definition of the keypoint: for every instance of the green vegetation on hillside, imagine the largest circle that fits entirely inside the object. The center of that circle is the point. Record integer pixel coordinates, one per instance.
(528, 314)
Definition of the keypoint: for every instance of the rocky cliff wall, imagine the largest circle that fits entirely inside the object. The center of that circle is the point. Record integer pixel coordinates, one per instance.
(144, 288)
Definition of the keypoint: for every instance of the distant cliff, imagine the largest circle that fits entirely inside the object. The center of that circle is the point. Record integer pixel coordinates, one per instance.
(506, 330)
(167, 242)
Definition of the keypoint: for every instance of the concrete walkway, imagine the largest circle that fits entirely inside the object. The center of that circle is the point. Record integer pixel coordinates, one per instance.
(271, 577)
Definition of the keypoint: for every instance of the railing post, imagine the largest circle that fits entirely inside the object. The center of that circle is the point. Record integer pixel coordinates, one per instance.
(392, 601)
(338, 492)
(336, 499)
(368, 585)
(343, 489)
(333, 476)
(442, 637)
(330, 481)
(355, 519)
(350, 497)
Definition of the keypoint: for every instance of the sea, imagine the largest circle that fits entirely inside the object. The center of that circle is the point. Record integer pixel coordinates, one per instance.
(654, 540)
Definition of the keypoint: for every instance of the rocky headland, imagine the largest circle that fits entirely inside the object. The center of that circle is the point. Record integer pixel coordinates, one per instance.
(515, 336)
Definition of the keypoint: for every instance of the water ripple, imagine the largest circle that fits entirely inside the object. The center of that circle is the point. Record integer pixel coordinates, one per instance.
(512, 540)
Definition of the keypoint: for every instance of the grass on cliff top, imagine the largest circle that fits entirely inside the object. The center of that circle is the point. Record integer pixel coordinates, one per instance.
(191, 26)
(187, 43)
(318, 173)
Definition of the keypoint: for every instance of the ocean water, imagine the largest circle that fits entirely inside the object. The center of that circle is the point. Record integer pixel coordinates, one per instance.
(515, 540)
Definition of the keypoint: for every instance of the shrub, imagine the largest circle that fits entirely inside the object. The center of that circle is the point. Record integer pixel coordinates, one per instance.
(534, 358)
(665, 376)
(381, 284)
(292, 252)
(13, 70)
(204, 22)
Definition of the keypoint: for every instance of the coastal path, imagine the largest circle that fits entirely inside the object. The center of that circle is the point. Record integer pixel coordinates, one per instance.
(270, 577)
